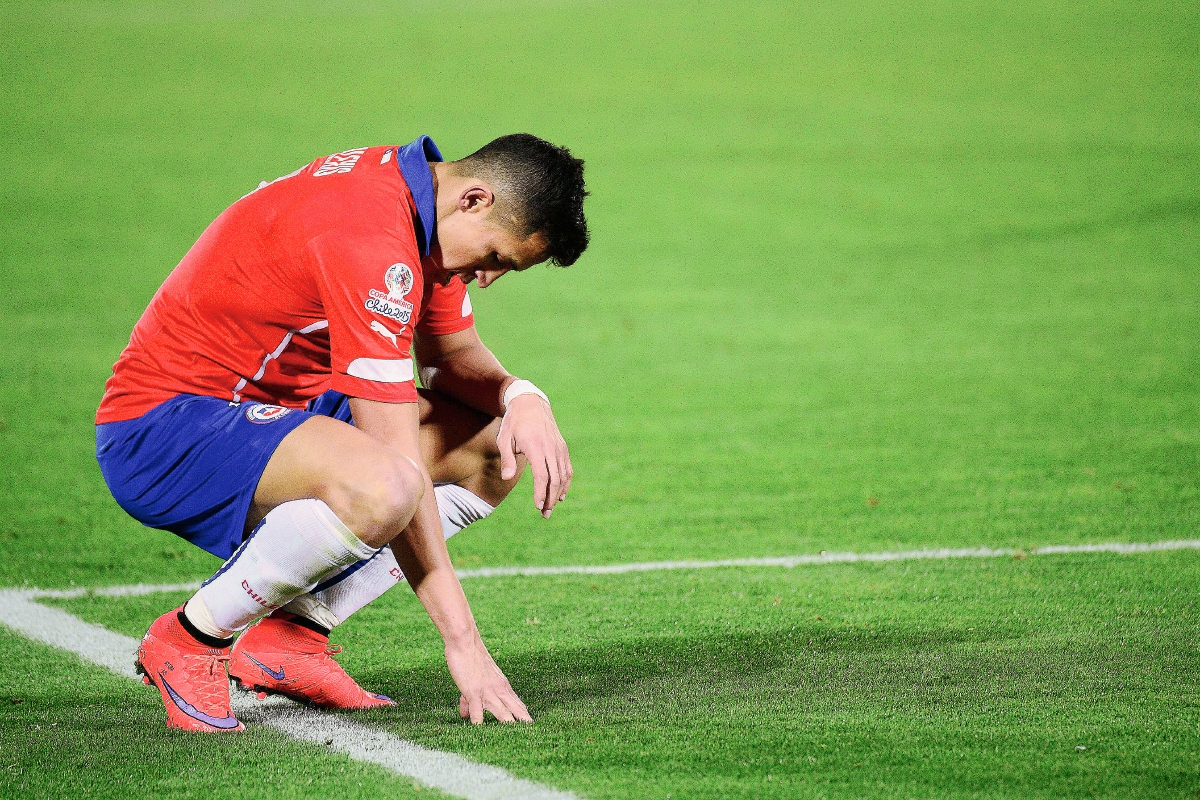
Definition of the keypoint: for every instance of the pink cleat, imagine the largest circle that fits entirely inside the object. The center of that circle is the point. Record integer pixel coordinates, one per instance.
(190, 675)
(277, 656)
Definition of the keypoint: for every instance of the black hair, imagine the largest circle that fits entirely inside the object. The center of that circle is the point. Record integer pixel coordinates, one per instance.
(539, 184)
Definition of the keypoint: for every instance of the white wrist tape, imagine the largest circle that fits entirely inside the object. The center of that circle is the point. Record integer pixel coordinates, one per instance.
(520, 387)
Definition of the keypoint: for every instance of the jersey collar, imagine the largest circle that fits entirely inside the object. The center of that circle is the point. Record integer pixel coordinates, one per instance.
(413, 160)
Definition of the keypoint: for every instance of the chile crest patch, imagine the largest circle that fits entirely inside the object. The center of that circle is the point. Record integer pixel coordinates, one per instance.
(262, 413)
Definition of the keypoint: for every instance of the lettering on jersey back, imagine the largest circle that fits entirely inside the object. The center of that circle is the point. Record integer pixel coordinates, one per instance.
(340, 163)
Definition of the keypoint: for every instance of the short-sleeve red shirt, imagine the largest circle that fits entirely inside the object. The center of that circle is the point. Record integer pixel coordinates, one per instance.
(311, 282)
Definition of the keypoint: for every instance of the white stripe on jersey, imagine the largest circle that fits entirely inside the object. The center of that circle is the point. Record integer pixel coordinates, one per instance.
(382, 370)
(276, 353)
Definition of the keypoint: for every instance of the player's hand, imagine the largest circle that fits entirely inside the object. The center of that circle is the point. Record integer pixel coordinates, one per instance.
(483, 685)
(529, 427)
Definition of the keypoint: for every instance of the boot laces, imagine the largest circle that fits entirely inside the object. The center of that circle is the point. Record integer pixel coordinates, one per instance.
(212, 684)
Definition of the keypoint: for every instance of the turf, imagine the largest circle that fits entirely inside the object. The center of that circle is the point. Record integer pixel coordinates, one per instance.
(955, 679)
(862, 278)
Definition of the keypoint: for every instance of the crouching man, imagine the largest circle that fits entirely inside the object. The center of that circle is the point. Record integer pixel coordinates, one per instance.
(265, 410)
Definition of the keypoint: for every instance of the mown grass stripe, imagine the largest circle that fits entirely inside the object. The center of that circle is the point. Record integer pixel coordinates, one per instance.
(1123, 548)
(447, 772)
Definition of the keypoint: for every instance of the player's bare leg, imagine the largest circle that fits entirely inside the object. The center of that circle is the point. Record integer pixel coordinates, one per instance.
(458, 445)
(372, 488)
(289, 652)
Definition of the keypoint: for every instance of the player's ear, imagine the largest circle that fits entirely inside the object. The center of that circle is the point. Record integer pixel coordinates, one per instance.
(476, 198)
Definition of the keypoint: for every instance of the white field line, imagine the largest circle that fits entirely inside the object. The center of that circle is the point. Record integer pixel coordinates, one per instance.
(452, 774)
(833, 558)
(1123, 548)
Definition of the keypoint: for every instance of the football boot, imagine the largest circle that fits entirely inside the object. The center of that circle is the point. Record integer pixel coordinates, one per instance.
(279, 656)
(190, 676)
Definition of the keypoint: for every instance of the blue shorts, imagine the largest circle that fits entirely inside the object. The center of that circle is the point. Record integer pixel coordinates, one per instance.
(332, 404)
(192, 464)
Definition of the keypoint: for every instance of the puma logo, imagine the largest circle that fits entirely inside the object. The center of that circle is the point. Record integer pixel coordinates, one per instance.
(379, 328)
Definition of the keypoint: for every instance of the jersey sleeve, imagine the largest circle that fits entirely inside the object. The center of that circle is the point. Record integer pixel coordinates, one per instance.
(446, 309)
(371, 287)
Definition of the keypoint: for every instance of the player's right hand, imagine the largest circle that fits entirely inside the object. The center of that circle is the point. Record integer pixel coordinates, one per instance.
(529, 427)
(484, 687)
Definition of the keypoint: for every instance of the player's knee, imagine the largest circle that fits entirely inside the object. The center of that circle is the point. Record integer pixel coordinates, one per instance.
(492, 484)
(384, 500)
(398, 492)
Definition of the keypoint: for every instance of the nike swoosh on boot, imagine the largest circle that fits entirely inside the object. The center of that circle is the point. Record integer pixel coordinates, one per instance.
(195, 713)
(276, 675)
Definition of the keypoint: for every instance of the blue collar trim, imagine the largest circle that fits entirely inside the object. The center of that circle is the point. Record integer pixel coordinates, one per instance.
(413, 160)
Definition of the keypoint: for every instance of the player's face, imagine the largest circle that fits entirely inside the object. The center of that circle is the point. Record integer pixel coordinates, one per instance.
(474, 248)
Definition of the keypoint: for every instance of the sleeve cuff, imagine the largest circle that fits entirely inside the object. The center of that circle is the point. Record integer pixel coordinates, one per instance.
(443, 328)
(383, 392)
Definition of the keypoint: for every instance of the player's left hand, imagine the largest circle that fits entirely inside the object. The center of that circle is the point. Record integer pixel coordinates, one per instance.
(529, 427)
(482, 684)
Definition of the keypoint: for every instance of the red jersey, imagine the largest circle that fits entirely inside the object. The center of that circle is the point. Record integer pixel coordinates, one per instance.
(309, 283)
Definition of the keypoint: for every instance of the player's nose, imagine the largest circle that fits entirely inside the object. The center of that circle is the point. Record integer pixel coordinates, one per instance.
(486, 277)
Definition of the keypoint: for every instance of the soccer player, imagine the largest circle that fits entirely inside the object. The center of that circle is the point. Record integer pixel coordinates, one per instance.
(299, 310)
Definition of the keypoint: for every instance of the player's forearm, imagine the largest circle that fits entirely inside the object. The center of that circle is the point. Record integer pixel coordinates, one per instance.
(421, 552)
(420, 547)
(472, 375)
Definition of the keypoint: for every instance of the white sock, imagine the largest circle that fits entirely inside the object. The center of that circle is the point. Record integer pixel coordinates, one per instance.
(199, 615)
(337, 598)
(458, 508)
(297, 545)
(308, 606)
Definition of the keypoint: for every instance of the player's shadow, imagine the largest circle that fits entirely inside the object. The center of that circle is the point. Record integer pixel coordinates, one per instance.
(801, 666)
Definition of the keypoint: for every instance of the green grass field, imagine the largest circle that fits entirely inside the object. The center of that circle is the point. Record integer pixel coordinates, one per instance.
(862, 279)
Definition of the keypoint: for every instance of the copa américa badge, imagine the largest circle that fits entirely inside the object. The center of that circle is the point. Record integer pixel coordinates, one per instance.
(399, 281)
